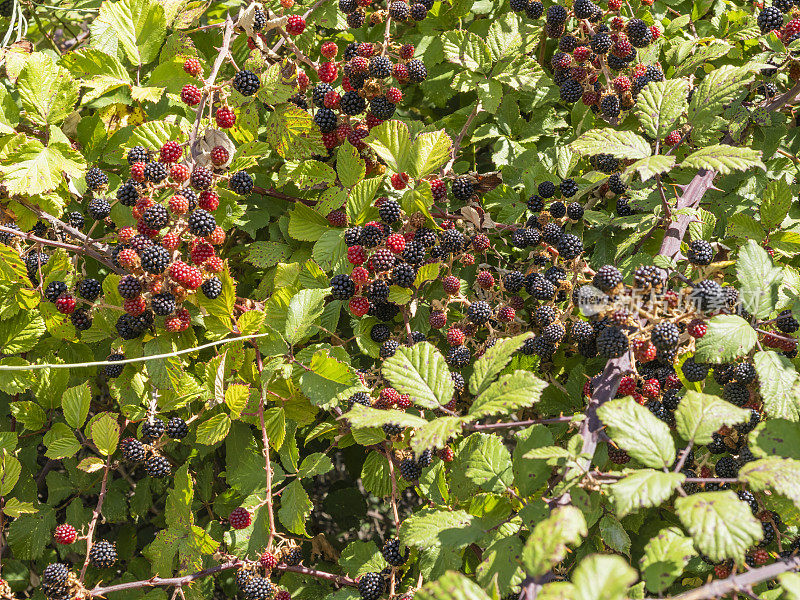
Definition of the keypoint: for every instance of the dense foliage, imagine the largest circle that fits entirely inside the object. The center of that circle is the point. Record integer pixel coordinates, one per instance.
(438, 300)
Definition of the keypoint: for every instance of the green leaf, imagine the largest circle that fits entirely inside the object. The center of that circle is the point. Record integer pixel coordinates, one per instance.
(430, 528)
(349, 166)
(640, 433)
(621, 144)
(699, 415)
(759, 279)
(273, 89)
(137, 28)
(32, 168)
(547, 544)
(305, 307)
(714, 92)
(724, 159)
(29, 534)
(306, 224)
(531, 474)
(493, 361)
(105, 433)
(451, 586)
(60, 442)
(501, 563)
(391, 141)
(75, 402)
(602, 577)
(614, 535)
(651, 166)
(429, 152)
(10, 469)
(361, 417)
(508, 394)
(268, 254)
(744, 226)
(236, 397)
(362, 557)
(776, 203)
(29, 414)
(295, 508)
(642, 489)
(490, 94)
(790, 582)
(665, 557)
(213, 430)
(359, 202)
(659, 106)
(14, 508)
(309, 173)
(421, 372)
(47, 91)
(468, 50)
(427, 272)
(327, 379)
(292, 133)
(436, 433)
(776, 437)
(721, 525)
(482, 462)
(705, 53)
(314, 464)
(728, 337)
(778, 384)
(782, 475)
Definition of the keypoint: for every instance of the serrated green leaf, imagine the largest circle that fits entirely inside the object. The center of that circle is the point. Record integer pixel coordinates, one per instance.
(429, 152)
(48, 92)
(349, 166)
(602, 577)
(714, 92)
(361, 417)
(105, 433)
(10, 469)
(430, 528)
(776, 437)
(451, 586)
(493, 361)
(781, 475)
(614, 535)
(391, 141)
(436, 433)
(651, 166)
(292, 133)
(75, 402)
(421, 372)
(508, 394)
(728, 337)
(642, 489)
(482, 462)
(744, 226)
(295, 508)
(659, 106)
(136, 27)
(547, 544)
(621, 144)
(61, 442)
(724, 159)
(306, 224)
(640, 433)
(776, 203)
(362, 557)
(778, 384)
(305, 307)
(665, 557)
(759, 279)
(468, 50)
(213, 430)
(699, 415)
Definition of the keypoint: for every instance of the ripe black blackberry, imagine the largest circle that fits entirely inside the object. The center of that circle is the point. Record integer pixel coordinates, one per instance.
(157, 466)
(156, 217)
(129, 287)
(543, 348)
(112, 371)
(552, 233)
(665, 335)
(127, 194)
(616, 185)
(555, 275)
(786, 322)
(55, 574)
(769, 534)
(458, 381)
(201, 178)
(528, 347)
(554, 333)
(201, 222)
(389, 211)
(246, 82)
(519, 238)
(660, 411)
(750, 424)
(513, 281)
(177, 429)
(382, 260)
(583, 9)
(708, 295)
(388, 348)
(103, 554)
(556, 15)
(518, 5)
(380, 67)
(325, 119)
(726, 467)
(378, 291)
(463, 188)
(318, 94)
(75, 219)
(744, 373)
(605, 163)
(636, 28)
(356, 19)
(426, 237)
(544, 315)
(132, 450)
(557, 210)
(546, 189)
(95, 179)
(81, 319)
(749, 498)
(352, 104)
(479, 312)
(670, 399)
(770, 19)
(607, 278)
(259, 19)
(138, 154)
(571, 91)
(700, 252)
(347, 7)
(416, 71)
(723, 373)
(414, 253)
(152, 430)
(371, 586)
(155, 259)
(342, 287)
(352, 236)
(127, 327)
(569, 246)
(241, 183)
(212, 288)
(535, 203)
(653, 73)
(694, 371)
(382, 108)
(163, 304)
(575, 211)
(410, 470)
(612, 343)
(601, 43)
(735, 393)
(568, 188)
(458, 356)
(98, 208)
(391, 552)
(379, 333)
(155, 172)
(609, 106)
(582, 332)
(404, 275)
(717, 445)
(299, 101)
(259, 588)
(534, 10)
(539, 287)
(452, 240)
(646, 276)
(418, 11)
(54, 289)
(399, 10)
(361, 398)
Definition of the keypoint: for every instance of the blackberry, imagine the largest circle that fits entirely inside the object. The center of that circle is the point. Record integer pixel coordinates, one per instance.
(568, 188)
(325, 119)
(528, 347)
(155, 259)
(786, 322)
(132, 450)
(241, 183)
(5, 236)
(55, 289)
(371, 586)
(246, 82)
(646, 276)
(538, 287)
(660, 411)
(463, 189)
(129, 287)
(55, 574)
(399, 10)
(410, 470)
(569, 246)
(155, 172)
(292, 556)
(601, 43)
(543, 348)
(743, 373)
(557, 210)
(384, 311)
(352, 104)
(665, 335)
(379, 333)
(414, 253)
(378, 291)
(342, 287)
(380, 67)
(556, 15)
(416, 71)
(544, 315)
(723, 373)
(513, 281)
(151, 431)
(636, 28)
(609, 106)
(89, 289)
(352, 236)
(418, 11)
(370, 236)
(98, 208)
(726, 468)
(382, 260)
(103, 554)
(391, 553)
(583, 9)
(417, 337)
(138, 154)
(642, 42)
(571, 91)
(212, 288)
(201, 222)
(361, 398)
(163, 304)
(612, 343)
(616, 185)
(534, 10)
(535, 203)
(355, 19)
(458, 356)
(552, 233)
(381, 107)
(717, 445)
(770, 19)
(518, 5)
(700, 252)
(81, 319)
(318, 93)
(299, 101)
(452, 240)
(75, 219)
(112, 371)
(388, 348)
(391, 429)
(694, 371)
(127, 194)
(95, 179)
(404, 275)
(555, 275)
(554, 333)
(735, 393)
(750, 425)
(425, 236)
(479, 312)
(201, 178)
(519, 238)
(127, 327)
(607, 278)
(575, 211)
(347, 7)
(670, 399)
(259, 588)
(389, 211)
(157, 466)
(708, 295)
(458, 381)
(581, 331)
(546, 189)
(654, 73)
(605, 163)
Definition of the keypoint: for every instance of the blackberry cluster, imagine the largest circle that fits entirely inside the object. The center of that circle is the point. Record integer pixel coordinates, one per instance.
(246, 83)
(391, 553)
(700, 252)
(241, 183)
(112, 371)
(211, 288)
(103, 554)
(157, 466)
(351, 103)
(389, 211)
(342, 287)
(201, 222)
(325, 119)
(155, 172)
(371, 586)
(96, 179)
(155, 259)
(98, 208)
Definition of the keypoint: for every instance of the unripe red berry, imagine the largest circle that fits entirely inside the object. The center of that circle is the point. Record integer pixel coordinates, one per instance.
(438, 189)
(191, 95)
(673, 138)
(407, 52)
(219, 156)
(359, 306)
(179, 173)
(329, 49)
(225, 117)
(356, 255)
(170, 152)
(359, 275)
(137, 171)
(65, 534)
(437, 319)
(337, 218)
(192, 66)
(239, 518)
(455, 336)
(506, 314)
(295, 25)
(332, 99)
(268, 560)
(328, 72)
(396, 243)
(303, 81)
(485, 280)
(447, 454)
(208, 200)
(399, 181)
(394, 95)
(697, 328)
(627, 386)
(451, 285)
